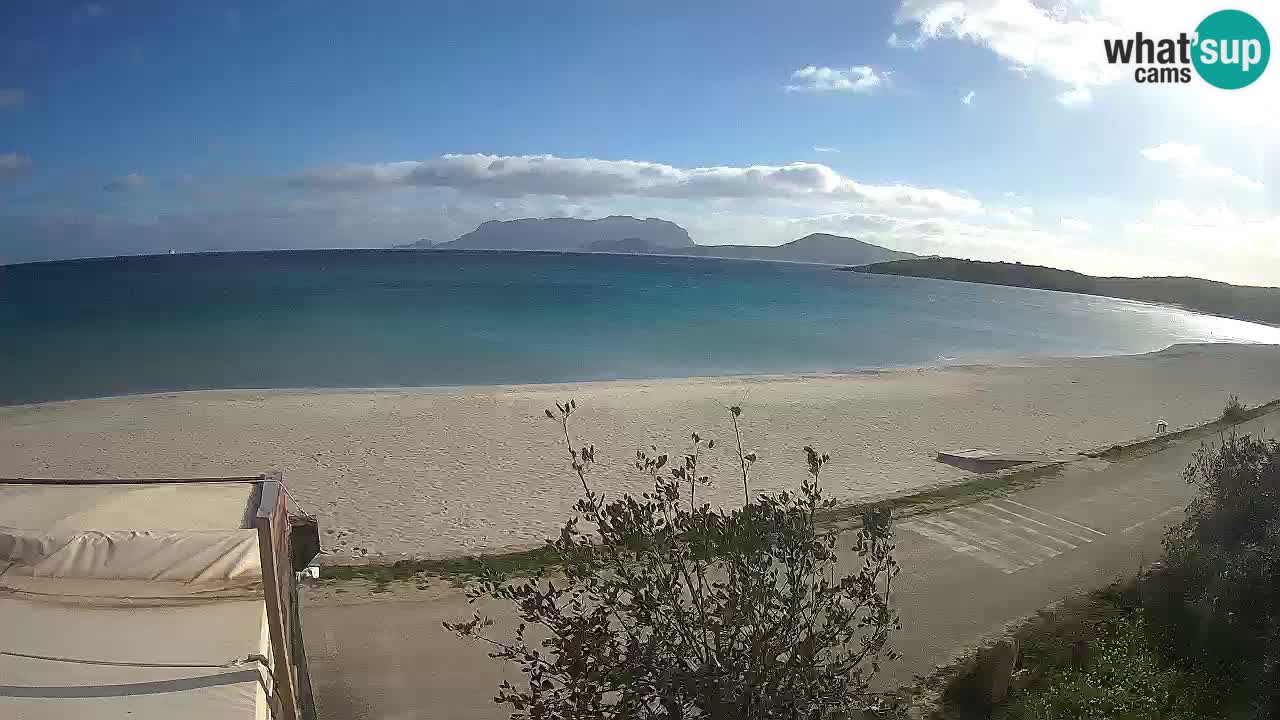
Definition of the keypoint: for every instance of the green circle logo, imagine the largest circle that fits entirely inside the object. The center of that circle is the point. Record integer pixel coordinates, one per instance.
(1232, 49)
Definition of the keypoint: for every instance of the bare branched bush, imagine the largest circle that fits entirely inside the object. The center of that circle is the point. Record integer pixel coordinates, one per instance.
(665, 607)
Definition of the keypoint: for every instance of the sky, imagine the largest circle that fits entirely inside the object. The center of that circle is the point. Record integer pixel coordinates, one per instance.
(984, 129)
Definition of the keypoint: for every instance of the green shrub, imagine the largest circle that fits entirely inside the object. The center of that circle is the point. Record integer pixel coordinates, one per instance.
(1221, 588)
(1124, 677)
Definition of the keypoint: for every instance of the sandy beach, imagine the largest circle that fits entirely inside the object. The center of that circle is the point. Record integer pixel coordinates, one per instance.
(461, 470)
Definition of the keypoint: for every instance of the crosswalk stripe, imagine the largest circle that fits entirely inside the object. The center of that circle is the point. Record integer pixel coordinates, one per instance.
(962, 547)
(1081, 538)
(996, 534)
(1042, 535)
(1009, 531)
(1099, 533)
(1009, 553)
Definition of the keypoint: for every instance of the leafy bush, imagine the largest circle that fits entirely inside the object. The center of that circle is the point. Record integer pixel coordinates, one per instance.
(1221, 593)
(667, 608)
(1124, 677)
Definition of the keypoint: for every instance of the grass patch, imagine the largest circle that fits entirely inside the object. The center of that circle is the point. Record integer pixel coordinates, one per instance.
(521, 563)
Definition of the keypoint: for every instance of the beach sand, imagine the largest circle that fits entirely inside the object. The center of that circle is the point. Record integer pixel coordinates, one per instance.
(431, 472)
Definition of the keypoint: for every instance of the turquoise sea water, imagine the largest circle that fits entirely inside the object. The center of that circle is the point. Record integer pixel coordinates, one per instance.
(365, 318)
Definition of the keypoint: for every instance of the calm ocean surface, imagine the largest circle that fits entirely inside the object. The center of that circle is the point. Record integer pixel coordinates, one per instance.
(366, 318)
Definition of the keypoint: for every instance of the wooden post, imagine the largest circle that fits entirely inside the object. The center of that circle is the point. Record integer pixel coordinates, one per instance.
(272, 523)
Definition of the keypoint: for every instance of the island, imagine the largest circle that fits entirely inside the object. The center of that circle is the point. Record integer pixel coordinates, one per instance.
(625, 235)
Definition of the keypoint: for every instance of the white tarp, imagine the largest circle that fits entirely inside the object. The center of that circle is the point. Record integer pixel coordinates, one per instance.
(60, 662)
(131, 601)
(161, 556)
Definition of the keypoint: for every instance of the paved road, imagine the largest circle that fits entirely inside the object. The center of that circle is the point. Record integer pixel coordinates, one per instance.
(966, 573)
(969, 571)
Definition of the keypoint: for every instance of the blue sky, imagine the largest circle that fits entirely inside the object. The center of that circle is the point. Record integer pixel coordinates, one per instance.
(976, 128)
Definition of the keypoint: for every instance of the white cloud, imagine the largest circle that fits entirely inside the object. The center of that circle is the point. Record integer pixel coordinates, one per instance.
(895, 41)
(858, 79)
(906, 197)
(1062, 42)
(1019, 217)
(13, 165)
(1073, 225)
(549, 175)
(1075, 97)
(1190, 163)
(12, 99)
(1176, 212)
(824, 149)
(1216, 241)
(126, 182)
(968, 99)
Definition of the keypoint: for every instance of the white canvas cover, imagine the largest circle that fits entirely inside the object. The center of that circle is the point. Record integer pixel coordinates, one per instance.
(131, 601)
(67, 662)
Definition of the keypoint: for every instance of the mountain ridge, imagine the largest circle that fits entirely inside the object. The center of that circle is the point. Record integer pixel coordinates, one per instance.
(624, 234)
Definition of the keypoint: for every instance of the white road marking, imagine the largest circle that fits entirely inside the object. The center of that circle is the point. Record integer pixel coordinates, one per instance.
(1010, 553)
(1140, 523)
(999, 536)
(1081, 538)
(1099, 533)
(962, 547)
(1042, 535)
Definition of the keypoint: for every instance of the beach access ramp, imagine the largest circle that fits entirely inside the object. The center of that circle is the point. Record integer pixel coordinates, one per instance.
(152, 598)
(986, 461)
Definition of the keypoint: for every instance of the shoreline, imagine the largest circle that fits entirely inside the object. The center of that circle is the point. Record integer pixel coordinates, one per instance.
(997, 361)
(459, 471)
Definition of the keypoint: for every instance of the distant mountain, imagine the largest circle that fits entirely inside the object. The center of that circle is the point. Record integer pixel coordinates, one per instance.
(815, 248)
(570, 234)
(423, 244)
(1261, 304)
(653, 236)
(631, 246)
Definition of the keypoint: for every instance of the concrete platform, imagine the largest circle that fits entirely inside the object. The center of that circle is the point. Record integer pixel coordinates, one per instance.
(986, 461)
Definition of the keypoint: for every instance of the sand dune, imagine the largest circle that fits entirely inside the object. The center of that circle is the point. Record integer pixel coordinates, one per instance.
(460, 470)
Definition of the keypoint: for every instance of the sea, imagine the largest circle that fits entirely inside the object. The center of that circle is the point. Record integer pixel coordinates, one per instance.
(388, 318)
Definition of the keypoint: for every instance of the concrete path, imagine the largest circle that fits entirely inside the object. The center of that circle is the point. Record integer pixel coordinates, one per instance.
(966, 572)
